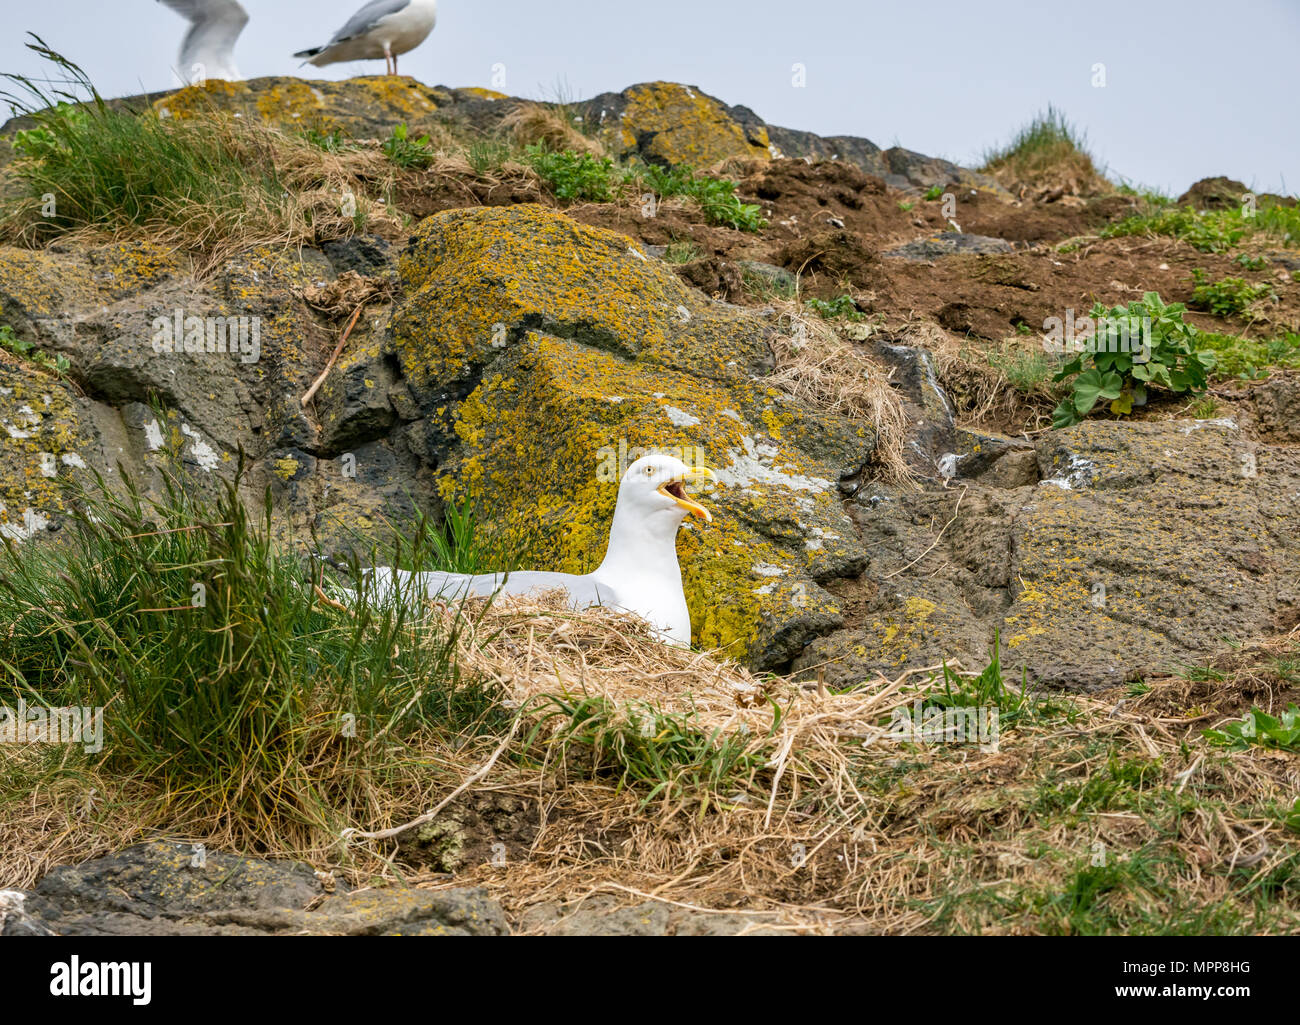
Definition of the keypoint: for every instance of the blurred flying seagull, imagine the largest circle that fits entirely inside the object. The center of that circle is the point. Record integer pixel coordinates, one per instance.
(383, 28)
(639, 574)
(208, 50)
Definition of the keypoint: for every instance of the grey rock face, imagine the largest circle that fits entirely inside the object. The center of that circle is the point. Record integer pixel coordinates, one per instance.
(163, 889)
(948, 243)
(1138, 549)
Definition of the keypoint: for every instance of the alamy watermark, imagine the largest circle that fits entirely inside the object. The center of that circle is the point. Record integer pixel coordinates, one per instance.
(919, 724)
(37, 724)
(612, 461)
(192, 335)
(1098, 334)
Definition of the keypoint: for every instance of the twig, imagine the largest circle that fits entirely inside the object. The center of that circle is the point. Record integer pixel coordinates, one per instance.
(338, 351)
(385, 834)
(955, 511)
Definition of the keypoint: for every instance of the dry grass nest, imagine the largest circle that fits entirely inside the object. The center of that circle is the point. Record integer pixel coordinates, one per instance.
(658, 773)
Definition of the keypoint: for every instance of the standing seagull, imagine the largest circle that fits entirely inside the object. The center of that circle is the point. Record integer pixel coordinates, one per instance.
(383, 28)
(209, 47)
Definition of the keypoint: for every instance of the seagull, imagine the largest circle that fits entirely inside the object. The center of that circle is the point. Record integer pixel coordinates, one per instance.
(383, 28)
(208, 50)
(639, 574)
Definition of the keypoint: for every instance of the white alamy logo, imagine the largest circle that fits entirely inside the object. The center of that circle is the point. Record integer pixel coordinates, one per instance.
(193, 335)
(934, 725)
(74, 978)
(37, 724)
(613, 461)
(1098, 334)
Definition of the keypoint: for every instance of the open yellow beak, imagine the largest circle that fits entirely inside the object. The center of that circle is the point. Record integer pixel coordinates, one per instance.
(676, 490)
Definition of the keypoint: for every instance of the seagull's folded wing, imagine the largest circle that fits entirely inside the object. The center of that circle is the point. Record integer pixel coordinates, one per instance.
(366, 19)
(396, 584)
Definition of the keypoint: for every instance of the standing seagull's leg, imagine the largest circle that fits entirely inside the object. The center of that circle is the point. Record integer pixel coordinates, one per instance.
(390, 62)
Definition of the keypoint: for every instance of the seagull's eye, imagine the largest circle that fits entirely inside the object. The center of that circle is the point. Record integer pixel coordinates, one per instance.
(649, 471)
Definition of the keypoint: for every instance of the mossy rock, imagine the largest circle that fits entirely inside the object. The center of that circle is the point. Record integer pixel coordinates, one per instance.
(1145, 546)
(556, 351)
(670, 124)
(362, 108)
(42, 442)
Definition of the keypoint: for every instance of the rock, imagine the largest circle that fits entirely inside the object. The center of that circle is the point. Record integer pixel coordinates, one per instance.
(715, 277)
(44, 437)
(164, 889)
(993, 460)
(353, 404)
(909, 169)
(557, 350)
(839, 254)
(101, 307)
(658, 122)
(369, 256)
(948, 243)
(1141, 547)
(1290, 261)
(1214, 194)
(930, 415)
(861, 153)
(669, 124)
(365, 107)
(1277, 405)
(600, 916)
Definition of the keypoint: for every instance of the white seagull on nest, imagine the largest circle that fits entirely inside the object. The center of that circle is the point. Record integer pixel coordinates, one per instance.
(383, 28)
(208, 50)
(639, 574)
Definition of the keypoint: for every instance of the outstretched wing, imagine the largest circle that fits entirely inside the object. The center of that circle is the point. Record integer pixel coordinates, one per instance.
(215, 25)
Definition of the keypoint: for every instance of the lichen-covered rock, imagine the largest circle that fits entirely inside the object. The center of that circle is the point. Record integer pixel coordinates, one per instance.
(167, 889)
(366, 107)
(557, 351)
(343, 471)
(42, 441)
(1142, 547)
(669, 124)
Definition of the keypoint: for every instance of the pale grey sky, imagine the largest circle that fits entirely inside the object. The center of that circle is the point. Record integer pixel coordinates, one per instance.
(1192, 87)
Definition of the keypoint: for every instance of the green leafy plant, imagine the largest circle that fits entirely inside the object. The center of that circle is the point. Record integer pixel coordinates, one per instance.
(716, 196)
(1124, 378)
(830, 309)
(334, 141)
(1212, 231)
(1250, 358)
(1259, 729)
(27, 351)
(1226, 298)
(905, 207)
(933, 192)
(404, 151)
(573, 175)
(1249, 262)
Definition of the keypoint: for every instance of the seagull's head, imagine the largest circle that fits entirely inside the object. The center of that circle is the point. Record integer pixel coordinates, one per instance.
(654, 490)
